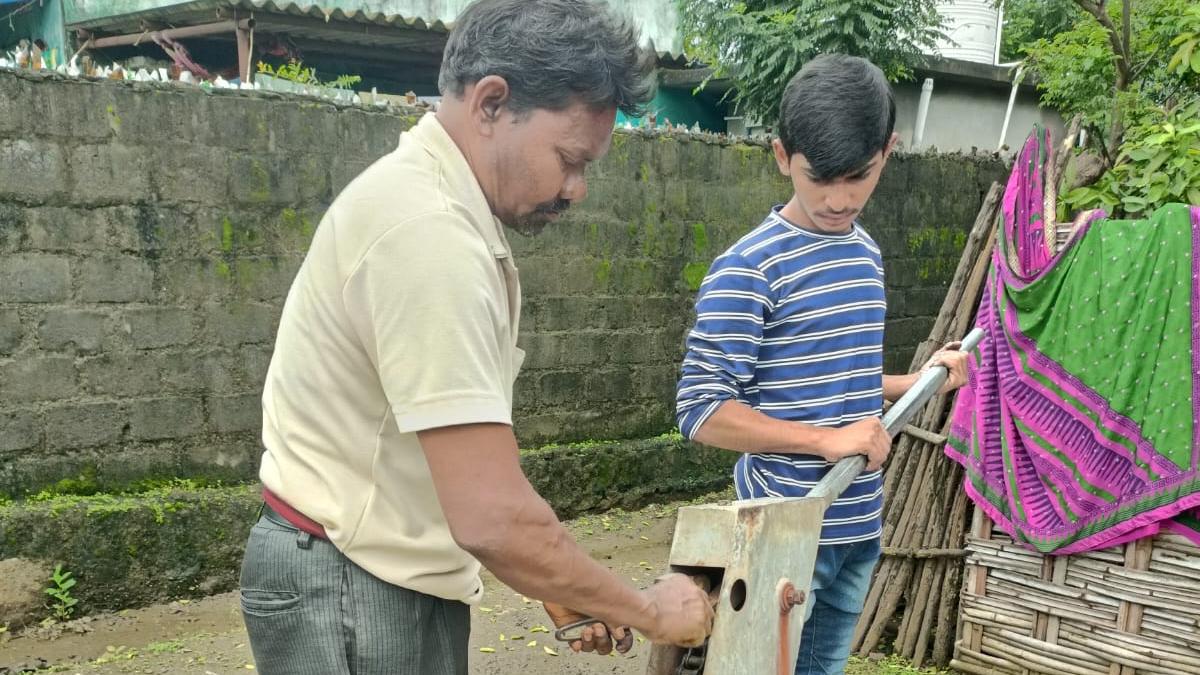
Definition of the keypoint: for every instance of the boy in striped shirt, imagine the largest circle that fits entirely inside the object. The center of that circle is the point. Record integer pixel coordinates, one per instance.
(785, 362)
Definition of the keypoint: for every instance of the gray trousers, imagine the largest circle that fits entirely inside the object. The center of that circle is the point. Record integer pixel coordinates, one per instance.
(311, 611)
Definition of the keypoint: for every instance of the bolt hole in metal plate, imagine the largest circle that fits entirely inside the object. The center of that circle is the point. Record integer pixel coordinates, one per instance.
(737, 595)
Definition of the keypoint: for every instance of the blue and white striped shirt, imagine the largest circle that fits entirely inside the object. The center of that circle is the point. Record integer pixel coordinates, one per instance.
(790, 322)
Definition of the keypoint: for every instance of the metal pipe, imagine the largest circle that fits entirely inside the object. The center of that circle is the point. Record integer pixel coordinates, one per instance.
(1012, 101)
(183, 32)
(922, 113)
(844, 472)
(999, 33)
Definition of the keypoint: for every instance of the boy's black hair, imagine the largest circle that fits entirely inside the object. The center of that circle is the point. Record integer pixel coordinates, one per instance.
(838, 111)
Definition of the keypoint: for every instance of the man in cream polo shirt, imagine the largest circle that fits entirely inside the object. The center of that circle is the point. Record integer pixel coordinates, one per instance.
(391, 470)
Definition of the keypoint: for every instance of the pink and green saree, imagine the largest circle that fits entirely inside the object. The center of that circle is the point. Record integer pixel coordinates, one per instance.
(1078, 428)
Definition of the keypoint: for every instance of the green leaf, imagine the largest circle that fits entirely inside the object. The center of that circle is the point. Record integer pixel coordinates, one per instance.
(1157, 162)
(1182, 58)
(1181, 183)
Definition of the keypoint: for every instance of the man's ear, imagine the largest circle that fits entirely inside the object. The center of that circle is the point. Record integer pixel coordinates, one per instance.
(486, 102)
(782, 159)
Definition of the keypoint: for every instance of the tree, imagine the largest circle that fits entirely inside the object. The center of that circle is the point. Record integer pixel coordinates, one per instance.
(1027, 21)
(1131, 74)
(1158, 162)
(760, 44)
(1112, 65)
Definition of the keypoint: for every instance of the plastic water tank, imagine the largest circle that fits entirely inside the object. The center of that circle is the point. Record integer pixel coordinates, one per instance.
(971, 29)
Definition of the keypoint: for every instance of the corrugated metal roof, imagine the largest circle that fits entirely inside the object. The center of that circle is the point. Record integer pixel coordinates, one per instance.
(436, 16)
(110, 13)
(342, 12)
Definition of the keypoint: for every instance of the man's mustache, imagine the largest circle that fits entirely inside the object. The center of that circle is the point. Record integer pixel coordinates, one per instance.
(556, 206)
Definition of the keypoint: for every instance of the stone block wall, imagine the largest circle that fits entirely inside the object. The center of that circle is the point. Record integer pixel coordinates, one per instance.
(148, 236)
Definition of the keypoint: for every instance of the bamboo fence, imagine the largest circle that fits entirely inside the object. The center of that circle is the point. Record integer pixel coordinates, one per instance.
(1127, 610)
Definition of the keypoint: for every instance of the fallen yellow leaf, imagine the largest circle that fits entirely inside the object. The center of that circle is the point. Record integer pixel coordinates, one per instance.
(549, 651)
(486, 610)
(532, 643)
(487, 650)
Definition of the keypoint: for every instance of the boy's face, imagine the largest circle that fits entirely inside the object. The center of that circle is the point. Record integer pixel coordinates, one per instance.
(831, 206)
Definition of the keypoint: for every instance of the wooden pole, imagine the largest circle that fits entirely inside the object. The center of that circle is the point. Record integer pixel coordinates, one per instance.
(925, 508)
(177, 33)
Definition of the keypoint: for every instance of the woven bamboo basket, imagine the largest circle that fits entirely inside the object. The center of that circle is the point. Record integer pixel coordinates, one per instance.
(1127, 610)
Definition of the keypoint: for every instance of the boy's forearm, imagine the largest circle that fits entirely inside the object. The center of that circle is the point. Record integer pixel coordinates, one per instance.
(736, 426)
(895, 386)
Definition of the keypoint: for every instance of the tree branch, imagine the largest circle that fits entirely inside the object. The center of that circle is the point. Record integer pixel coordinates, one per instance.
(1126, 11)
(1120, 45)
(1097, 135)
(1123, 51)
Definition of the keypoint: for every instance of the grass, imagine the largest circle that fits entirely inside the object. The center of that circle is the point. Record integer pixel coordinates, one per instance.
(167, 647)
(891, 665)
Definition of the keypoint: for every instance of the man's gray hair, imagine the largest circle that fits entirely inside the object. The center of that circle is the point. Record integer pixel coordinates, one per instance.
(552, 53)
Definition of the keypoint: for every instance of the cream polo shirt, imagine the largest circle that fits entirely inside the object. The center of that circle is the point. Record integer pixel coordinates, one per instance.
(402, 317)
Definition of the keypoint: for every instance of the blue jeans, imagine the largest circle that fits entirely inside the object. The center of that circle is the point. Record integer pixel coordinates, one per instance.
(840, 583)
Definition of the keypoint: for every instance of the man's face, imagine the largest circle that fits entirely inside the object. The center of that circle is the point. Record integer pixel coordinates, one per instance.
(540, 158)
(830, 206)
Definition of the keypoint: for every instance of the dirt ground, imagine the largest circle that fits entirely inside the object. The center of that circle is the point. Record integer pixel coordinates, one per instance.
(207, 637)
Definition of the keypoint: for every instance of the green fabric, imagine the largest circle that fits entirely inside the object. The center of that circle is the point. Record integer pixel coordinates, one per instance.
(1077, 429)
(1085, 315)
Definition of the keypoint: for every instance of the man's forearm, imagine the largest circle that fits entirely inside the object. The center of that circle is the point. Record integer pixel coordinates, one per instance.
(535, 555)
(737, 426)
(514, 532)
